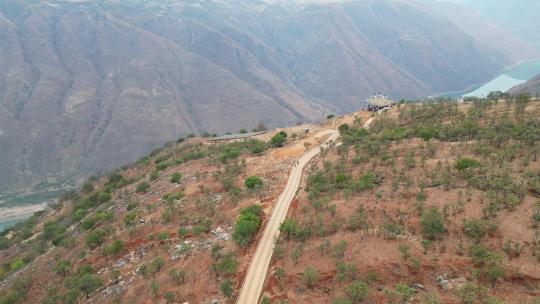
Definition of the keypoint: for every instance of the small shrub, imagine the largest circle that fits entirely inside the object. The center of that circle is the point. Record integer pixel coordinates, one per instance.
(142, 187)
(432, 223)
(311, 277)
(176, 177)
(465, 163)
(278, 140)
(253, 182)
(113, 248)
(95, 238)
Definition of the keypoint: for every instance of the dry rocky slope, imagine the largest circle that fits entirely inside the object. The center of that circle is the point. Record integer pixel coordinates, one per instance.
(89, 85)
(532, 87)
(435, 203)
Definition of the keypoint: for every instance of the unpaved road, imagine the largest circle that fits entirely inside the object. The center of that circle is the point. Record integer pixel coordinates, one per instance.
(256, 274)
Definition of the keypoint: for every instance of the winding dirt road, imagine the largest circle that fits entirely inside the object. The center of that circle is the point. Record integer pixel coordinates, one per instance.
(256, 274)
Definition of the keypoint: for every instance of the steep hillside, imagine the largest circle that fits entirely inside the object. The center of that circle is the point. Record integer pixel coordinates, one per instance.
(532, 87)
(90, 85)
(434, 203)
(437, 203)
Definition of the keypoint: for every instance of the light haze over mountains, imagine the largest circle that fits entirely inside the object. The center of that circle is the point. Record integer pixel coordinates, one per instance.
(87, 86)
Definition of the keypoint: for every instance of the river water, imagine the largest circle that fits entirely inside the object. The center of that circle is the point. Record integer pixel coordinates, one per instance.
(509, 77)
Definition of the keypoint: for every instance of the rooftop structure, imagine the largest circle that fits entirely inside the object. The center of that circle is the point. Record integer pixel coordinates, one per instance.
(378, 102)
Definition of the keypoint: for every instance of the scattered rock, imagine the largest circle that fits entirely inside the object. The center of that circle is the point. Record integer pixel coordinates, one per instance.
(380, 287)
(215, 301)
(445, 284)
(120, 263)
(418, 286)
(220, 233)
(459, 282)
(141, 251)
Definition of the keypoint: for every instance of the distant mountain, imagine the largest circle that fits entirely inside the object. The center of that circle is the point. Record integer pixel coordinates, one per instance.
(86, 86)
(532, 86)
(486, 32)
(519, 17)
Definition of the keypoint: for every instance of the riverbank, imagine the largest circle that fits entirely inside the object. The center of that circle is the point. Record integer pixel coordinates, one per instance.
(12, 215)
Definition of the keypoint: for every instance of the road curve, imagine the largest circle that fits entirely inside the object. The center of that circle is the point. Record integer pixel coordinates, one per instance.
(256, 273)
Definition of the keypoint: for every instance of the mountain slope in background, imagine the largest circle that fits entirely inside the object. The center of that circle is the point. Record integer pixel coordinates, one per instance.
(519, 17)
(532, 86)
(487, 33)
(88, 86)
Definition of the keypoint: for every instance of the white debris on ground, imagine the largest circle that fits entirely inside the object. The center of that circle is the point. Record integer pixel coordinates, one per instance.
(178, 251)
(220, 234)
(186, 247)
(449, 284)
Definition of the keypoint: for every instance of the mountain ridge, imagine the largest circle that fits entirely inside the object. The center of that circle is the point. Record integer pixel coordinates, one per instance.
(83, 79)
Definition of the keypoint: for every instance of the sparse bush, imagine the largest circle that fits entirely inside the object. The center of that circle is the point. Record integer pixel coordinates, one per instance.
(156, 264)
(142, 187)
(154, 174)
(227, 288)
(432, 223)
(169, 296)
(357, 291)
(465, 163)
(95, 238)
(405, 250)
(311, 277)
(474, 229)
(113, 248)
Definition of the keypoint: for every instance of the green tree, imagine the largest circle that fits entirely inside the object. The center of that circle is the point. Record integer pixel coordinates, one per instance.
(278, 140)
(89, 283)
(104, 197)
(253, 182)
(176, 177)
(247, 225)
(493, 273)
(62, 268)
(474, 229)
(95, 237)
(343, 128)
(288, 227)
(432, 223)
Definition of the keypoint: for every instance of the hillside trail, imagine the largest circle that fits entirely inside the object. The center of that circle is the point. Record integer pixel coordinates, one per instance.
(258, 268)
(256, 273)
